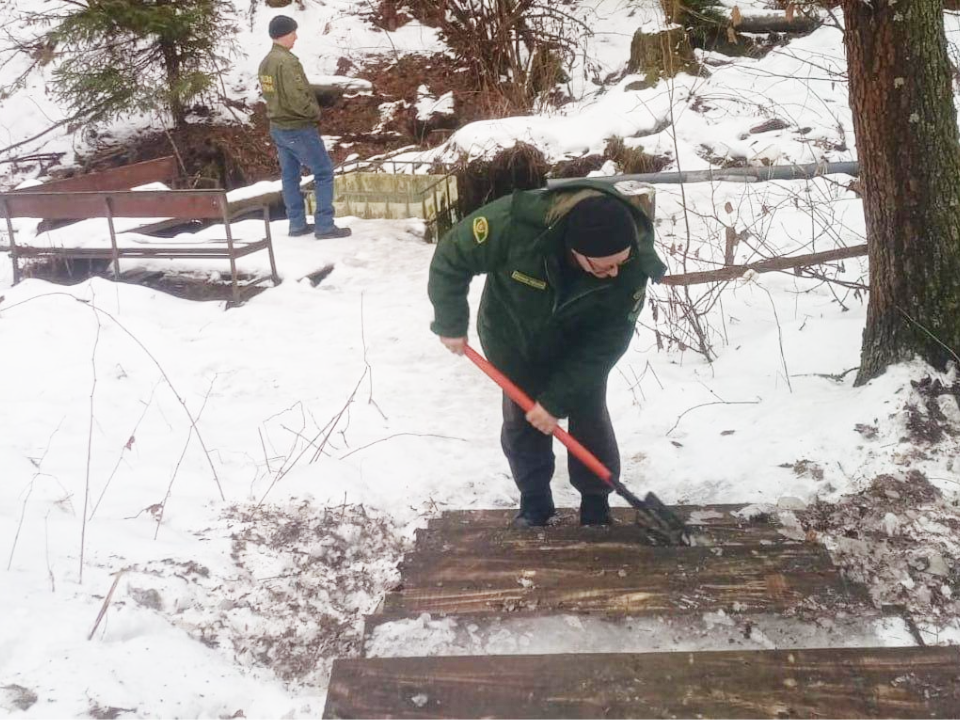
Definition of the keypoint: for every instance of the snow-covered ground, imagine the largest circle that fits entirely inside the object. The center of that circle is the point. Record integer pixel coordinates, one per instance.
(333, 409)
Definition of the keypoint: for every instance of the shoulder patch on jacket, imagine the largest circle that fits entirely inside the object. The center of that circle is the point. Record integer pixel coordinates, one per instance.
(481, 230)
(527, 280)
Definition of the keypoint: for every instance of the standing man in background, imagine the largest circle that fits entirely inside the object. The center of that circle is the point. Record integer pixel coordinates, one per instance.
(293, 111)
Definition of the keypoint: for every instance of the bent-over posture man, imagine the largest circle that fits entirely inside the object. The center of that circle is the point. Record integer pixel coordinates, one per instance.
(293, 111)
(567, 271)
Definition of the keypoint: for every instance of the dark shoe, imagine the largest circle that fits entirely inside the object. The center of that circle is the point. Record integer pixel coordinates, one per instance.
(595, 510)
(305, 230)
(535, 511)
(337, 232)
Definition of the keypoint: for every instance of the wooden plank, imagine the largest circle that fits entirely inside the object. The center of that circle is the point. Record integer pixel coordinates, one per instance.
(465, 538)
(636, 594)
(664, 569)
(163, 170)
(721, 515)
(192, 204)
(858, 621)
(832, 683)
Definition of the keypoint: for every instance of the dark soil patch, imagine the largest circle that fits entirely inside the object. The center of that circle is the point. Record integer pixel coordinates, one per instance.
(926, 423)
(236, 155)
(898, 538)
(522, 167)
(577, 167)
(210, 155)
(200, 288)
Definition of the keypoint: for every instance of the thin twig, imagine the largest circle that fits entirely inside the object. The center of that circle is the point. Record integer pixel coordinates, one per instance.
(106, 603)
(783, 356)
(343, 410)
(695, 407)
(402, 434)
(363, 340)
(264, 446)
(37, 463)
(183, 453)
(46, 541)
(127, 446)
(332, 425)
(86, 484)
(933, 337)
(23, 512)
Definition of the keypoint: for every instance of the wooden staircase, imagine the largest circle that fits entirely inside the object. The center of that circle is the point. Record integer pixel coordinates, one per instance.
(472, 571)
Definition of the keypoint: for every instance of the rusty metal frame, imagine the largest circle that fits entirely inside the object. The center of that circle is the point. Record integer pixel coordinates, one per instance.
(180, 204)
(165, 169)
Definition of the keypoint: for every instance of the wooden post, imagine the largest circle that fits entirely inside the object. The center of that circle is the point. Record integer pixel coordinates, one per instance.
(113, 239)
(273, 262)
(13, 241)
(233, 258)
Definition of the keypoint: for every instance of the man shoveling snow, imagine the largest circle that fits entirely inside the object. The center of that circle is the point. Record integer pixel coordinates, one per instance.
(567, 271)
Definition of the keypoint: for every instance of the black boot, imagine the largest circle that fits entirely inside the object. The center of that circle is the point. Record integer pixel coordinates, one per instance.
(595, 510)
(535, 511)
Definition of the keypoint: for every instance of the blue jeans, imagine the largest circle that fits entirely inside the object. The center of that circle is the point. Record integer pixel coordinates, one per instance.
(305, 147)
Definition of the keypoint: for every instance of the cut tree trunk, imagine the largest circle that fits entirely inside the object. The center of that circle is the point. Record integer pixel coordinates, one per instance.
(661, 54)
(776, 22)
(907, 140)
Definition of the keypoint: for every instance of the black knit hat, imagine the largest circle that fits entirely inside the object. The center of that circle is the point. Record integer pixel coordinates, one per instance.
(282, 25)
(600, 226)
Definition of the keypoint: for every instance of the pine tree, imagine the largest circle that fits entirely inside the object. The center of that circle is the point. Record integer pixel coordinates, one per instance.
(120, 56)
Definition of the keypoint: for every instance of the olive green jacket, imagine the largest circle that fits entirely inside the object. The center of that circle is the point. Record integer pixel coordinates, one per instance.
(291, 104)
(557, 342)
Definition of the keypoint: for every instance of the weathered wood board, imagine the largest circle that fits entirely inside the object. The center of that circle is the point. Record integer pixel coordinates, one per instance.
(833, 683)
(463, 538)
(615, 578)
(705, 515)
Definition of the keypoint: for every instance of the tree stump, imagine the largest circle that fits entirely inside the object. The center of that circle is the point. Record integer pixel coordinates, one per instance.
(660, 54)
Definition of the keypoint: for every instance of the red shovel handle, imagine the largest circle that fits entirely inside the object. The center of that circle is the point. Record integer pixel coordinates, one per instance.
(524, 401)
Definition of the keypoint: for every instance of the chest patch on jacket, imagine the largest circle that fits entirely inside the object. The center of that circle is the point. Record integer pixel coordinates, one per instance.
(266, 82)
(527, 280)
(481, 230)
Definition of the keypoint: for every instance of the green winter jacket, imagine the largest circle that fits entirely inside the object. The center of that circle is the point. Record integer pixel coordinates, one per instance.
(558, 343)
(291, 104)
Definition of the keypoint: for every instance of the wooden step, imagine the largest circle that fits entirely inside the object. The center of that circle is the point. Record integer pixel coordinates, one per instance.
(465, 537)
(389, 635)
(832, 683)
(599, 565)
(624, 580)
(712, 516)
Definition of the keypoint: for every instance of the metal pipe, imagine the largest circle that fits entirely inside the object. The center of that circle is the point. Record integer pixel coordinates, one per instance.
(751, 174)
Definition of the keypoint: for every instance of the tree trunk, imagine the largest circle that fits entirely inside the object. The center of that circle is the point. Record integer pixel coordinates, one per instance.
(909, 150)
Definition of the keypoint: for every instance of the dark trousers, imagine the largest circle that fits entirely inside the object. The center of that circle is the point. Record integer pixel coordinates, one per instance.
(530, 452)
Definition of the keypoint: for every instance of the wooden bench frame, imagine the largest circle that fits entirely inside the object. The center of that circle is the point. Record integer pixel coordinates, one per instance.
(179, 204)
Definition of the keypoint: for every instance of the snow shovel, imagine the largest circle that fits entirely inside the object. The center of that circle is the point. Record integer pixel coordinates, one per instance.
(661, 524)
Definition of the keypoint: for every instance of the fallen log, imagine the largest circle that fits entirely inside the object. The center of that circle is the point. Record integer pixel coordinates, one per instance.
(732, 272)
(775, 22)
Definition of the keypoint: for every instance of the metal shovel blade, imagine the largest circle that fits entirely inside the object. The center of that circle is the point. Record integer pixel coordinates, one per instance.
(660, 523)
